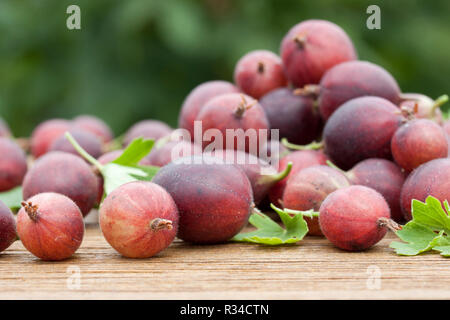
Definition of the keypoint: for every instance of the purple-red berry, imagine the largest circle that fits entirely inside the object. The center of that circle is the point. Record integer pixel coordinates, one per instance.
(383, 176)
(423, 106)
(7, 227)
(300, 160)
(139, 219)
(239, 113)
(312, 47)
(353, 218)
(214, 199)
(50, 226)
(95, 126)
(198, 97)
(418, 141)
(88, 141)
(430, 179)
(308, 188)
(259, 72)
(294, 115)
(148, 129)
(261, 175)
(45, 133)
(66, 174)
(355, 79)
(13, 164)
(360, 129)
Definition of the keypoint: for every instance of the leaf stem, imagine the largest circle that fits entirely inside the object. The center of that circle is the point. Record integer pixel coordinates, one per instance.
(283, 174)
(438, 103)
(312, 146)
(271, 179)
(83, 152)
(332, 165)
(309, 213)
(311, 90)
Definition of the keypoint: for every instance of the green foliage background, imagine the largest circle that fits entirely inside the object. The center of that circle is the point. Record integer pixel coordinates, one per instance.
(136, 59)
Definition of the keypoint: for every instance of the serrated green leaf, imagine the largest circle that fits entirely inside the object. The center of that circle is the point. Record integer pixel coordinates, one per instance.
(135, 152)
(444, 250)
(417, 239)
(442, 244)
(12, 198)
(431, 214)
(125, 168)
(271, 233)
(428, 230)
(115, 175)
(151, 171)
(440, 240)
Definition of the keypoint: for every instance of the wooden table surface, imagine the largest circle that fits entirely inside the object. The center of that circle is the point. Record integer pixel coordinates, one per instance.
(312, 269)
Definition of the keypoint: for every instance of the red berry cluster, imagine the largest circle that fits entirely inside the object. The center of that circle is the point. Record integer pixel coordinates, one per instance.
(380, 148)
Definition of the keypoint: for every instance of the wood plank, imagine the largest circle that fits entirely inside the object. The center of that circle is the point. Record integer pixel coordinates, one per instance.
(310, 270)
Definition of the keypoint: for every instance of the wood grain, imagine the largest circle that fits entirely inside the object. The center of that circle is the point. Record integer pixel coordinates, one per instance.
(313, 269)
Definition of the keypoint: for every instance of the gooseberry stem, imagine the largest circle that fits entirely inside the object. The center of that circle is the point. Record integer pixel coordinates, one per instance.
(83, 152)
(312, 90)
(277, 176)
(31, 210)
(438, 103)
(161, 224)
(332, 165)
(389, 223)
(312, 146)
(308, 213)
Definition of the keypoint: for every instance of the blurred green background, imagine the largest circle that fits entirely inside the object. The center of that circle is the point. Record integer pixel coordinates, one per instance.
(136, 59)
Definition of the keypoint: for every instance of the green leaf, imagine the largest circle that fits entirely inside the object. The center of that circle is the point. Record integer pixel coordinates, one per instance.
(271, 233)
(431, 214)
(417, 239)
(12, 198)
(135, 152)
(428, 230)
(445, 250)
(125, 168)
(115, 175)
(442, 244)
(150, 171)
